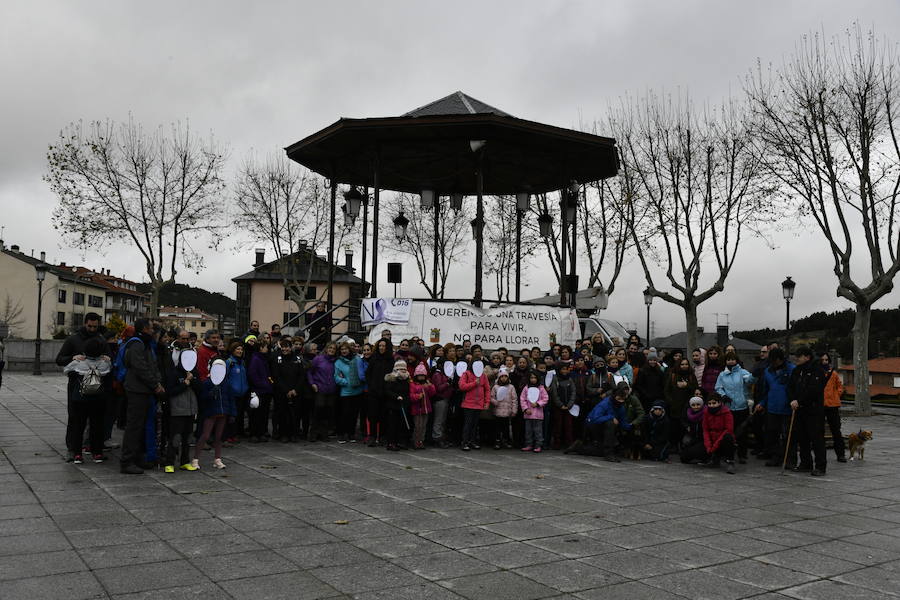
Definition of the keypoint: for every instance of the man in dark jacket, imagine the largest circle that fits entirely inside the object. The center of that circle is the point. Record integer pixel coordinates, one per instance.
(142, 382)
(73, 349)
(289, 374)
(806, 391)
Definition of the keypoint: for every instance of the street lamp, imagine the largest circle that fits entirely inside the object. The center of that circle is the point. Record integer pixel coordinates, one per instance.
(648, 300)
(545, 224)
(349, 218)
(426, 199)
(456, 201)
(353, 198)
(523, 201)
(400, 225)
(477, 225)
(787, 290)
(40, 273)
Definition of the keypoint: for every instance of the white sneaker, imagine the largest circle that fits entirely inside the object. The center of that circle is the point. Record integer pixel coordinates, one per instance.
(195, 463)
(218, 464)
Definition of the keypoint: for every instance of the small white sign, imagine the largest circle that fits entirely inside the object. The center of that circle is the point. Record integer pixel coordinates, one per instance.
(534, 394)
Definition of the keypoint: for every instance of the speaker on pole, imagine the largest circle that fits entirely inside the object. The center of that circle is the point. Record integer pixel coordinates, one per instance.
(395, 272)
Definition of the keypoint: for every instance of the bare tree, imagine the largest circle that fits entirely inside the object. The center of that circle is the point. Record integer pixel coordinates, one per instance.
(500, 243)
(829, 116)
(694, 184)
(602, 232)
(157, 192)
(451, 238)
(289, 208)
(11, 315)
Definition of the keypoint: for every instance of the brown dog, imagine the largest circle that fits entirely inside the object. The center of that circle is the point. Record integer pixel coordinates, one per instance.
(856, 442)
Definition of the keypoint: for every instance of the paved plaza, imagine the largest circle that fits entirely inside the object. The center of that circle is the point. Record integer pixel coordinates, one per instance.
(346, 521)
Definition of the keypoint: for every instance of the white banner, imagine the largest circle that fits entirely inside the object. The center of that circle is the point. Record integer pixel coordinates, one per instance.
(385, 310)
(507, 325)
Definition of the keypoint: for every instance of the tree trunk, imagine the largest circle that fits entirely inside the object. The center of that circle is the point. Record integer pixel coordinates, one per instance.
(861, 359)
(690, 320)
(156, 287)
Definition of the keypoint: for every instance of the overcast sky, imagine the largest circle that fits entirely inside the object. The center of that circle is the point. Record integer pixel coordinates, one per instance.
(261, 75)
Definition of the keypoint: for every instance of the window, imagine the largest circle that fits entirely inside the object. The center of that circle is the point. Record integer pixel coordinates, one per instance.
(61, 296)
(311, 292)
(61, 319)
(202, 323)
(95, 301)
(291, 319)
(897, 382)
(193, 323)
(78, 298)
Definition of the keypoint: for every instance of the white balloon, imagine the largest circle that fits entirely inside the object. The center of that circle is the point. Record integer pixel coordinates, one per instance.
(217, 371)
(534, 394)
(188, 359)
(461, 367)
(575, 410)
(449, 368)
(548, 379)
(478, 368)
(254, 400)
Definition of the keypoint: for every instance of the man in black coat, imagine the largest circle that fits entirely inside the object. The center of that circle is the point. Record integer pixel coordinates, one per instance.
(73, 349)
(289, 375)
(142, 382)
(806, 392)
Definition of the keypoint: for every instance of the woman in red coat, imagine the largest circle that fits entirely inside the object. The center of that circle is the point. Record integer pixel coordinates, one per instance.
(718, 432)
(478, 398)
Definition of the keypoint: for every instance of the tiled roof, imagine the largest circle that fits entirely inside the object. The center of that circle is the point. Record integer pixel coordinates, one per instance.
(704, 340)
(269, 271)
(879, 365)
(456, 103)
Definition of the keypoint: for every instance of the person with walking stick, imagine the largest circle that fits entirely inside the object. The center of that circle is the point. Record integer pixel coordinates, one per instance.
(777, 409)
(806, 391)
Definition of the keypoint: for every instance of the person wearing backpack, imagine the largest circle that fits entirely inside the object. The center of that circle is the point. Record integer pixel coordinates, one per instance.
(87, 400)
(141, 382)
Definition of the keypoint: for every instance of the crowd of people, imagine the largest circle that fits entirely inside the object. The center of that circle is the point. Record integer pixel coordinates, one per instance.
(176, 395)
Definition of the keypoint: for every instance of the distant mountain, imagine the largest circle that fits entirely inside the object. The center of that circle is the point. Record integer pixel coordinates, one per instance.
(179, 294)
(835, 330)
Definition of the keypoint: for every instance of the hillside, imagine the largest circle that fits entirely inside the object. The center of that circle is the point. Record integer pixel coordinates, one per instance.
(835, 330)
(179, 294)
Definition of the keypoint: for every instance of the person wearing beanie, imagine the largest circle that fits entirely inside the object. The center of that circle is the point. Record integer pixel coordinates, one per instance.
(421, 390)
(806, 392)
(693, 449)
(477, 398)
(718, 433)
(504, 403)
(650, 382)
(656, 434)
(396, 404)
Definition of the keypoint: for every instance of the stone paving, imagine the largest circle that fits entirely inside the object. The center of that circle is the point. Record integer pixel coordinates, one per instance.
(345, 521)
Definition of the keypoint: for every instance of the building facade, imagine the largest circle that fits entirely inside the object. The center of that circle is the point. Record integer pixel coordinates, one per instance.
(261, 294)
(189, 318)
(884, 378)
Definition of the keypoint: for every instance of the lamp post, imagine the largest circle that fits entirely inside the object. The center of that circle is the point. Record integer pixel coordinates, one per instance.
(787, 290)
(523, 200)
(400, 225)
(648, 300)
(40, 273)
(545, 224)
(572, 215)
(436, 205)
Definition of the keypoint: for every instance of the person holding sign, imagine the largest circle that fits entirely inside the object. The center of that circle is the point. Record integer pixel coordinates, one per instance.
(503, 401)
(532, 401)
(474, 383)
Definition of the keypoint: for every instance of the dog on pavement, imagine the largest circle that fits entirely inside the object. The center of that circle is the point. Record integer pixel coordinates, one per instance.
(856, 443)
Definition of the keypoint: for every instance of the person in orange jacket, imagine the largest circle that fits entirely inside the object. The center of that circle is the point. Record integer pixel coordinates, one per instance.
(834, 390)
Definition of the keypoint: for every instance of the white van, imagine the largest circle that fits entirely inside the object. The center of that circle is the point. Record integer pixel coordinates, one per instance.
(613, 332)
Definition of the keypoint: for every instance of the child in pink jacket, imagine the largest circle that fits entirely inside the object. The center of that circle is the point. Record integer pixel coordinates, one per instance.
(534, 413)
(504, 402)
(420, 393)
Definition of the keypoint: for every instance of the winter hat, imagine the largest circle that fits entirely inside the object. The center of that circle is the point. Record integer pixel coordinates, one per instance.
(249, 337)
(502, 371)
(696, 402)
(660, 405)
(421, 370)
(652, 356)
(400, 365)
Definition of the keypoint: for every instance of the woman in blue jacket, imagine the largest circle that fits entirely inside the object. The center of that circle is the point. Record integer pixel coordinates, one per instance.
(348, 375)
(733, 384)
(239, 388)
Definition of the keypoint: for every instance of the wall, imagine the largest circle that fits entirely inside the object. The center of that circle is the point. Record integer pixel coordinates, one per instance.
(267, 303)
(19, 355)
(17, 280)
